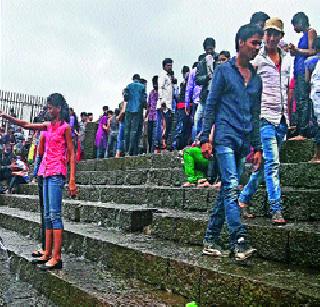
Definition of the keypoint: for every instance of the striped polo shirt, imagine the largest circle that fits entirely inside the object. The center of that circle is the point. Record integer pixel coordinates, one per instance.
(275, 84)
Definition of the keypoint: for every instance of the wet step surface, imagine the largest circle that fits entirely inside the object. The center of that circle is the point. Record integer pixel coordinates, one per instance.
(120, 216)
(298, 204)
(296, 243)
(15, 292)
(181, 268)
(83, 282)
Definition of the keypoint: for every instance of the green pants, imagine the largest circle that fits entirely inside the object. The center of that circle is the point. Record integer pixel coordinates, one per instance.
(195, 165)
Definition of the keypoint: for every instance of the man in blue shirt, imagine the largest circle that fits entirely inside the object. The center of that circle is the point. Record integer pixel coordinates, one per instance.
(233, 108)
(134, 98)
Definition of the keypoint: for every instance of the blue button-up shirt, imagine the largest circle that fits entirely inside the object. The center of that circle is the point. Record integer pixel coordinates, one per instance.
(134, 95)
(233, 107)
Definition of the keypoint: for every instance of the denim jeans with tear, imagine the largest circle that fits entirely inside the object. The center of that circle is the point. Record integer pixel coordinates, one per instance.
(272, 138)
(52, 201)
(231, 165)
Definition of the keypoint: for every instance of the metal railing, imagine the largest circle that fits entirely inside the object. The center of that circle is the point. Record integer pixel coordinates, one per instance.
(25, 106)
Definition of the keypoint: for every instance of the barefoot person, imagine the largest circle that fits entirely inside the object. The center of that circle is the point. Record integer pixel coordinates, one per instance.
(58, 145)
(233, 106)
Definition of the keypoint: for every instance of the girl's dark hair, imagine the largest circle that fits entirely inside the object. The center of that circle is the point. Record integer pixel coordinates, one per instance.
(300, 17)
(57, 100)
(245, 32)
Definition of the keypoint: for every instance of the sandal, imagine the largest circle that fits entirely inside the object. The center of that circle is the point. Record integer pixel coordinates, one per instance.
(37, 253)
(203, 183)
(245, 212)
(188, 185)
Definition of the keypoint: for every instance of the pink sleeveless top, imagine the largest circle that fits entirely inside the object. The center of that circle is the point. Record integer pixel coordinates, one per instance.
(54, 160)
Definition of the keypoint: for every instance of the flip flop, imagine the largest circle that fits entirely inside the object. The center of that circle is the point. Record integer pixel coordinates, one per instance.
(37, 254)
(188, 185)
(202, 183)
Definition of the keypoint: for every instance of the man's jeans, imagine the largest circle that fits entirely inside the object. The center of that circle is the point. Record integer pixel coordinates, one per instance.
(101, 152)
(167, 116)
(112, 144)
(120, 138)
(231, 165)
(151, 135)
(132, 132)
(52, 200)
(301, 93)
(272, 138)
(197, 122)
(181, 135)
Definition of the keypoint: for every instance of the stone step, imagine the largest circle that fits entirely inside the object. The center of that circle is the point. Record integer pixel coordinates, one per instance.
(297, 151)
(82, 282)
(295, 243)
(292, 152)
(15, 292)
(119, 216)
(303, 175)
(179, 268)
(166, 160)
(154, 176)
(298, 204)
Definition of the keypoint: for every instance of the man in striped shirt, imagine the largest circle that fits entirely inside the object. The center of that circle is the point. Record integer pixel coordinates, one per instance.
(274, 68)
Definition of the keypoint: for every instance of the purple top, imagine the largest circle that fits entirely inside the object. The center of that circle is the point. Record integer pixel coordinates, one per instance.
(102, 136)
(192, 90)
(152, 105)
(72, 123)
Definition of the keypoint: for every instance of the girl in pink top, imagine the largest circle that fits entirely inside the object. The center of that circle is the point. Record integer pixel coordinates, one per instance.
(54, 166)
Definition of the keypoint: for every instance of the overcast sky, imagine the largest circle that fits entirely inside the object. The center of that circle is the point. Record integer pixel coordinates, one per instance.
(89, 49)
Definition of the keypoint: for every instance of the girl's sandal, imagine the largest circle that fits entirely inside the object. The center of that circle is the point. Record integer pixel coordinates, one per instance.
(37, 253)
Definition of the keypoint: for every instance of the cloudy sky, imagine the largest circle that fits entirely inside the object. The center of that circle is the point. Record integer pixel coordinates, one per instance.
(89, 49)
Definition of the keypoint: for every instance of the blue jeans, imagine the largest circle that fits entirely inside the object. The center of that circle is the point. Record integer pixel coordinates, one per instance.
(181, 137)
(52, 200)
(251, 187)
(151, 135)
(231, 165)
(159, 127)
(120, 139)
(102, 152)
(272, 138)
(131, 134)
(197, 122)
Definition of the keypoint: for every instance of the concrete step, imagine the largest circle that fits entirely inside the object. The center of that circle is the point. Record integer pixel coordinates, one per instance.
(180, 268)
(292, 152)
(82, 282)
(15, 292)
(297, 151)
(296, 243)
(166, 160)
(153, 176)
(119, 216)
(298, 204)
(302, 175)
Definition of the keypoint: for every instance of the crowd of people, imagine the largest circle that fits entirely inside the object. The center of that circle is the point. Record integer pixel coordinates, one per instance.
(226, 111)
(249, 104)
